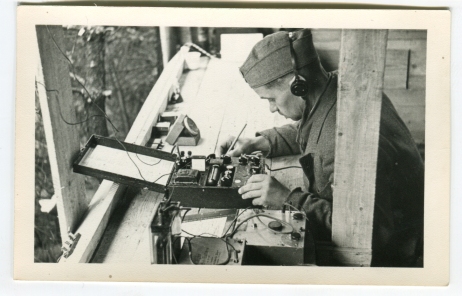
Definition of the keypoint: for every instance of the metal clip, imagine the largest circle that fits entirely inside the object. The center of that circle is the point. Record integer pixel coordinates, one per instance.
(70, 244)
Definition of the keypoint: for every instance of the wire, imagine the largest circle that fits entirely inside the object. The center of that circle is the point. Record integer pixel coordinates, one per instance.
(267, 216)
(234, 221)
(73, 72)
(301, 210)
(199, 49)
(92, 100)
(284, 168)
(153, 164)
(60, 111)
(184, 215)
(255, 211)
(227, 244)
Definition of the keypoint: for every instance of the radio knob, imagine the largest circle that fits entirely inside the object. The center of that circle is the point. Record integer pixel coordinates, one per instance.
(295, 236)
(298, 216)
(226, 181)
(243, 160)
(255, 170)
(226, 159)
(275, 225)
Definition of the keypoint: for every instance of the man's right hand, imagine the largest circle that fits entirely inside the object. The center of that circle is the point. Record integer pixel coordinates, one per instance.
(244, 146)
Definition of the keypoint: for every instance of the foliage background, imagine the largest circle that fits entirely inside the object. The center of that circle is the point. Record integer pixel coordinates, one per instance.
(118, 66)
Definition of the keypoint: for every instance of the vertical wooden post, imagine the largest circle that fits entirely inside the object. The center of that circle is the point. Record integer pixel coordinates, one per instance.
(167, 42)
(62, 138)
(360, 86)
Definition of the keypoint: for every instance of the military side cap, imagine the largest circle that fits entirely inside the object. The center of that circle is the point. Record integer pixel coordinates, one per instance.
(270, 58)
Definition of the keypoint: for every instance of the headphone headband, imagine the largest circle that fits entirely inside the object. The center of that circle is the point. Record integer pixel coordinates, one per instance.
(298, 86)
(292, 53)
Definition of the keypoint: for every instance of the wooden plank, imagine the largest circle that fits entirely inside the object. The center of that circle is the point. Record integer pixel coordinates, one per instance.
(329, 58)
(168, 42)
(406, 97)
(407, 34)
(213, 92)
(417, 82)
(410, 105)
(396, 67)
(414, 118)
(327, 45)
(418, 47)
(109, 193)
(361, 73)
(127, 226)
(320, 35)
(330, 255)
(157, 100)
(62, 139)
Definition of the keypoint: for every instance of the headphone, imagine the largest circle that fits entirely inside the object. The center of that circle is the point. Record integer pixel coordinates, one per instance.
(298, 85)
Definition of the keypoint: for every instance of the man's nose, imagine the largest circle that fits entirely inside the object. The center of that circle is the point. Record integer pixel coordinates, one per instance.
(273, 108)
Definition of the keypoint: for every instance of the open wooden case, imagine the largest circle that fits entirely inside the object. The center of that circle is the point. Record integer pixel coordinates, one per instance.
(144, 167)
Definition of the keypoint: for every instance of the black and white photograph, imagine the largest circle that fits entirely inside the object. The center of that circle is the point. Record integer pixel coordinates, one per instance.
(191, 145)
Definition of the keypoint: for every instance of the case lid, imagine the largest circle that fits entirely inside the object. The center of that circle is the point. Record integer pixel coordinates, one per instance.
(125, 163)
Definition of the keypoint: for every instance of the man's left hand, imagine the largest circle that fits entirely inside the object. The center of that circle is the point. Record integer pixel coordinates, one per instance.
(265, 191)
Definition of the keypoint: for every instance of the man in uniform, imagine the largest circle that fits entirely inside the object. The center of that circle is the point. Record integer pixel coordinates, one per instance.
(272, 68)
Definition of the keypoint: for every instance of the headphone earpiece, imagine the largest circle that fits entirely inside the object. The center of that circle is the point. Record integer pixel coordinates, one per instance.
(298, 85)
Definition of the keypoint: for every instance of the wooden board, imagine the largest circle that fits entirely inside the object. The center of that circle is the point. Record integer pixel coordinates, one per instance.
(396, 69)
(62, 139)
(129, 224)
(359, 101)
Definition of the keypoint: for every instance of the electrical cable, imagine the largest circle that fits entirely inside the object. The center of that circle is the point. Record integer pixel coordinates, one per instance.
(267, 216)
(60, 111)
(302, 210)
(227, 244)
(199, 49)
(92, 101)
(283, 168)
(184, 215)
(234, 221)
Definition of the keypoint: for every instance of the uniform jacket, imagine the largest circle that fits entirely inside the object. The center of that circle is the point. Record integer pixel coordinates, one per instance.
(398, 213)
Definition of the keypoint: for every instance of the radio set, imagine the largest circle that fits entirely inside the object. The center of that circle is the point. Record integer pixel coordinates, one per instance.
(211, 182)
(195, 181)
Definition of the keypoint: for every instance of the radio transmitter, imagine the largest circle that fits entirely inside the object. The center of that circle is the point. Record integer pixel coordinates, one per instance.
(195, 181)
(210, 182)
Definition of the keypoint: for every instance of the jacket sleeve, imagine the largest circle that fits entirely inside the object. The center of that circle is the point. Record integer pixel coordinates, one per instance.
(283, 140)
(318, 212)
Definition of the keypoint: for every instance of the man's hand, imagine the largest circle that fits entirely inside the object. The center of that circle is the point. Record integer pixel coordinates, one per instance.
(265, 190)
(244, 145)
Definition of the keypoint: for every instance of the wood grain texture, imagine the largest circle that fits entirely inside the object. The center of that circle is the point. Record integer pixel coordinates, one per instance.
(62, 139)
(362, 65)
(108, 194)
(129, 222)
(396, 67)
(330, 255)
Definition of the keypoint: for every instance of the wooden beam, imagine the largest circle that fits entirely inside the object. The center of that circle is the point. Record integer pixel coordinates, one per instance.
(56, 102)
(168, 42)
(361, 73)
(109, 193)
